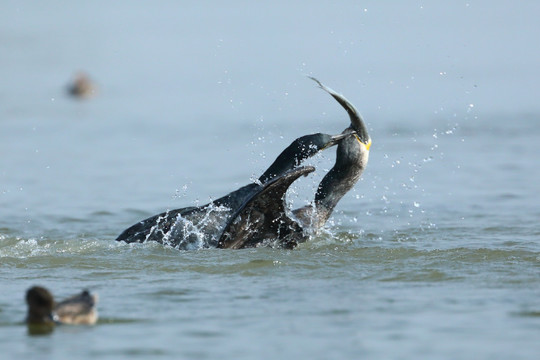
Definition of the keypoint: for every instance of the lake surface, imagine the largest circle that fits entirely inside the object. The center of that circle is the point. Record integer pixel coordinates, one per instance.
(434, 254)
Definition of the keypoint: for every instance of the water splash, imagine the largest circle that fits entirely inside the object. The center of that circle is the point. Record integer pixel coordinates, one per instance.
(181, 193)
(198, 232)
(20, 248)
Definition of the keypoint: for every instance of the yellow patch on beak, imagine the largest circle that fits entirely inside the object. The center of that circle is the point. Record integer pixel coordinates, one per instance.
(368, 145)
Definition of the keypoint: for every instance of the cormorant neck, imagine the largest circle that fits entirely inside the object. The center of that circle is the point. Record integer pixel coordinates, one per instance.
(351, 159)
(332, 188)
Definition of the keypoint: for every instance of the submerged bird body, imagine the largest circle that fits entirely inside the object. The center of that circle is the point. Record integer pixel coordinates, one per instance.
(256, 214)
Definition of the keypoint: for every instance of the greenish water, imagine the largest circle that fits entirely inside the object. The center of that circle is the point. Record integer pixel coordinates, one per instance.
(434, 254)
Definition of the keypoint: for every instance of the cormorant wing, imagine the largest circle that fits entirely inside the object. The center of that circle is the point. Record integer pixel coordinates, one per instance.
(153, 228)
(157, 227)
(262, 218)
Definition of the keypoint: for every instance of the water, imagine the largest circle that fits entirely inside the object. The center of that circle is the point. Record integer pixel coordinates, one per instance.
(435, 254)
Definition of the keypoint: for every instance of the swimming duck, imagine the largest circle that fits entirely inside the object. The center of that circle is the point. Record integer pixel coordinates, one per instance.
(44, 313)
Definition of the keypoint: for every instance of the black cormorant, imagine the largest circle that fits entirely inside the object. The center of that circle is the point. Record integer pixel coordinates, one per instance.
(256, 215)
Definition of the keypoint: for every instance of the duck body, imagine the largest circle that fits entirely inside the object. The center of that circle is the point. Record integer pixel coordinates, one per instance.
(79, 309)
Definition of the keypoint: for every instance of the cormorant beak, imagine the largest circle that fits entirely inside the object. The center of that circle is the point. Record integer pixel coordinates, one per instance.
(357, 124)
(337, 138)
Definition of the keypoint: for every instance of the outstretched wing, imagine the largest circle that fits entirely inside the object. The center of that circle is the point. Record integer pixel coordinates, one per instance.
(262, 218)
(158, 227)
(152, 229)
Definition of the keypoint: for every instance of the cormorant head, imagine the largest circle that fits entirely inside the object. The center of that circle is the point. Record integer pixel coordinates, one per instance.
(320, 141)
(359, 127)
(352, 155)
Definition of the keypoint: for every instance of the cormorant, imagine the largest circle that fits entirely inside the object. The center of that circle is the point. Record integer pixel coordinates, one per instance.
(256, 215)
